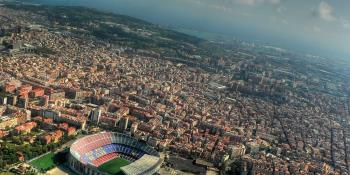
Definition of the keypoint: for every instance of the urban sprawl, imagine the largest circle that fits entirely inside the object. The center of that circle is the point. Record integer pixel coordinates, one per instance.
(264, 113)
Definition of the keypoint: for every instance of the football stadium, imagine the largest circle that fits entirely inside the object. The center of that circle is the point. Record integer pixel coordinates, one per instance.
(110, 153)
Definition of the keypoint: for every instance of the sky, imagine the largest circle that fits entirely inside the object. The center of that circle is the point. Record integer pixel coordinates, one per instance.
(320, 27)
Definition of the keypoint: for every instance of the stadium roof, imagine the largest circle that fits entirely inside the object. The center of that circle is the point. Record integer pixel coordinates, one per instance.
(146, 165)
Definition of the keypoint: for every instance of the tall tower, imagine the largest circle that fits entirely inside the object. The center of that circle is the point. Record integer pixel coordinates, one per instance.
(95, 115)
(333, 133)
(46, 100)
(244, 169)
(23, 102)
(123, 123)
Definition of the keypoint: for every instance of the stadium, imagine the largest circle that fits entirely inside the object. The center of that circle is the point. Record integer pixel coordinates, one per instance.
(110, 153)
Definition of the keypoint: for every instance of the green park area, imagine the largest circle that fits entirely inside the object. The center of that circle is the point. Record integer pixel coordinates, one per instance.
(44, 163)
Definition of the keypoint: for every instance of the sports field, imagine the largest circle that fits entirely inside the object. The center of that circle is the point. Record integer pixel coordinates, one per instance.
(113, 167)
(44, 163)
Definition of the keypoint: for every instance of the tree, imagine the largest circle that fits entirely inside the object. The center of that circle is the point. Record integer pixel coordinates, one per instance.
(16, 140)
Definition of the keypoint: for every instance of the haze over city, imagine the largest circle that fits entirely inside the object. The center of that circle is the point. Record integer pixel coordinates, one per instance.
(174, 87)
(313, 26)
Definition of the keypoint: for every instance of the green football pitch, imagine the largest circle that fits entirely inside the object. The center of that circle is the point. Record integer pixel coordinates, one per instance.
(44, 163)
(113, 166)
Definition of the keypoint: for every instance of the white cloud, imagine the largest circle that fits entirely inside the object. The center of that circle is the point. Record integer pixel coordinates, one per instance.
(316, 28)
(326, 12)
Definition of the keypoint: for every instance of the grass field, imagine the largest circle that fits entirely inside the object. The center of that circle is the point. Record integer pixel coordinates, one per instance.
(44, 163)
(113, 167)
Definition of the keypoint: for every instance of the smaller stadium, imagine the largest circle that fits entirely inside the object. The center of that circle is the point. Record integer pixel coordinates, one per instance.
(110, 153)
